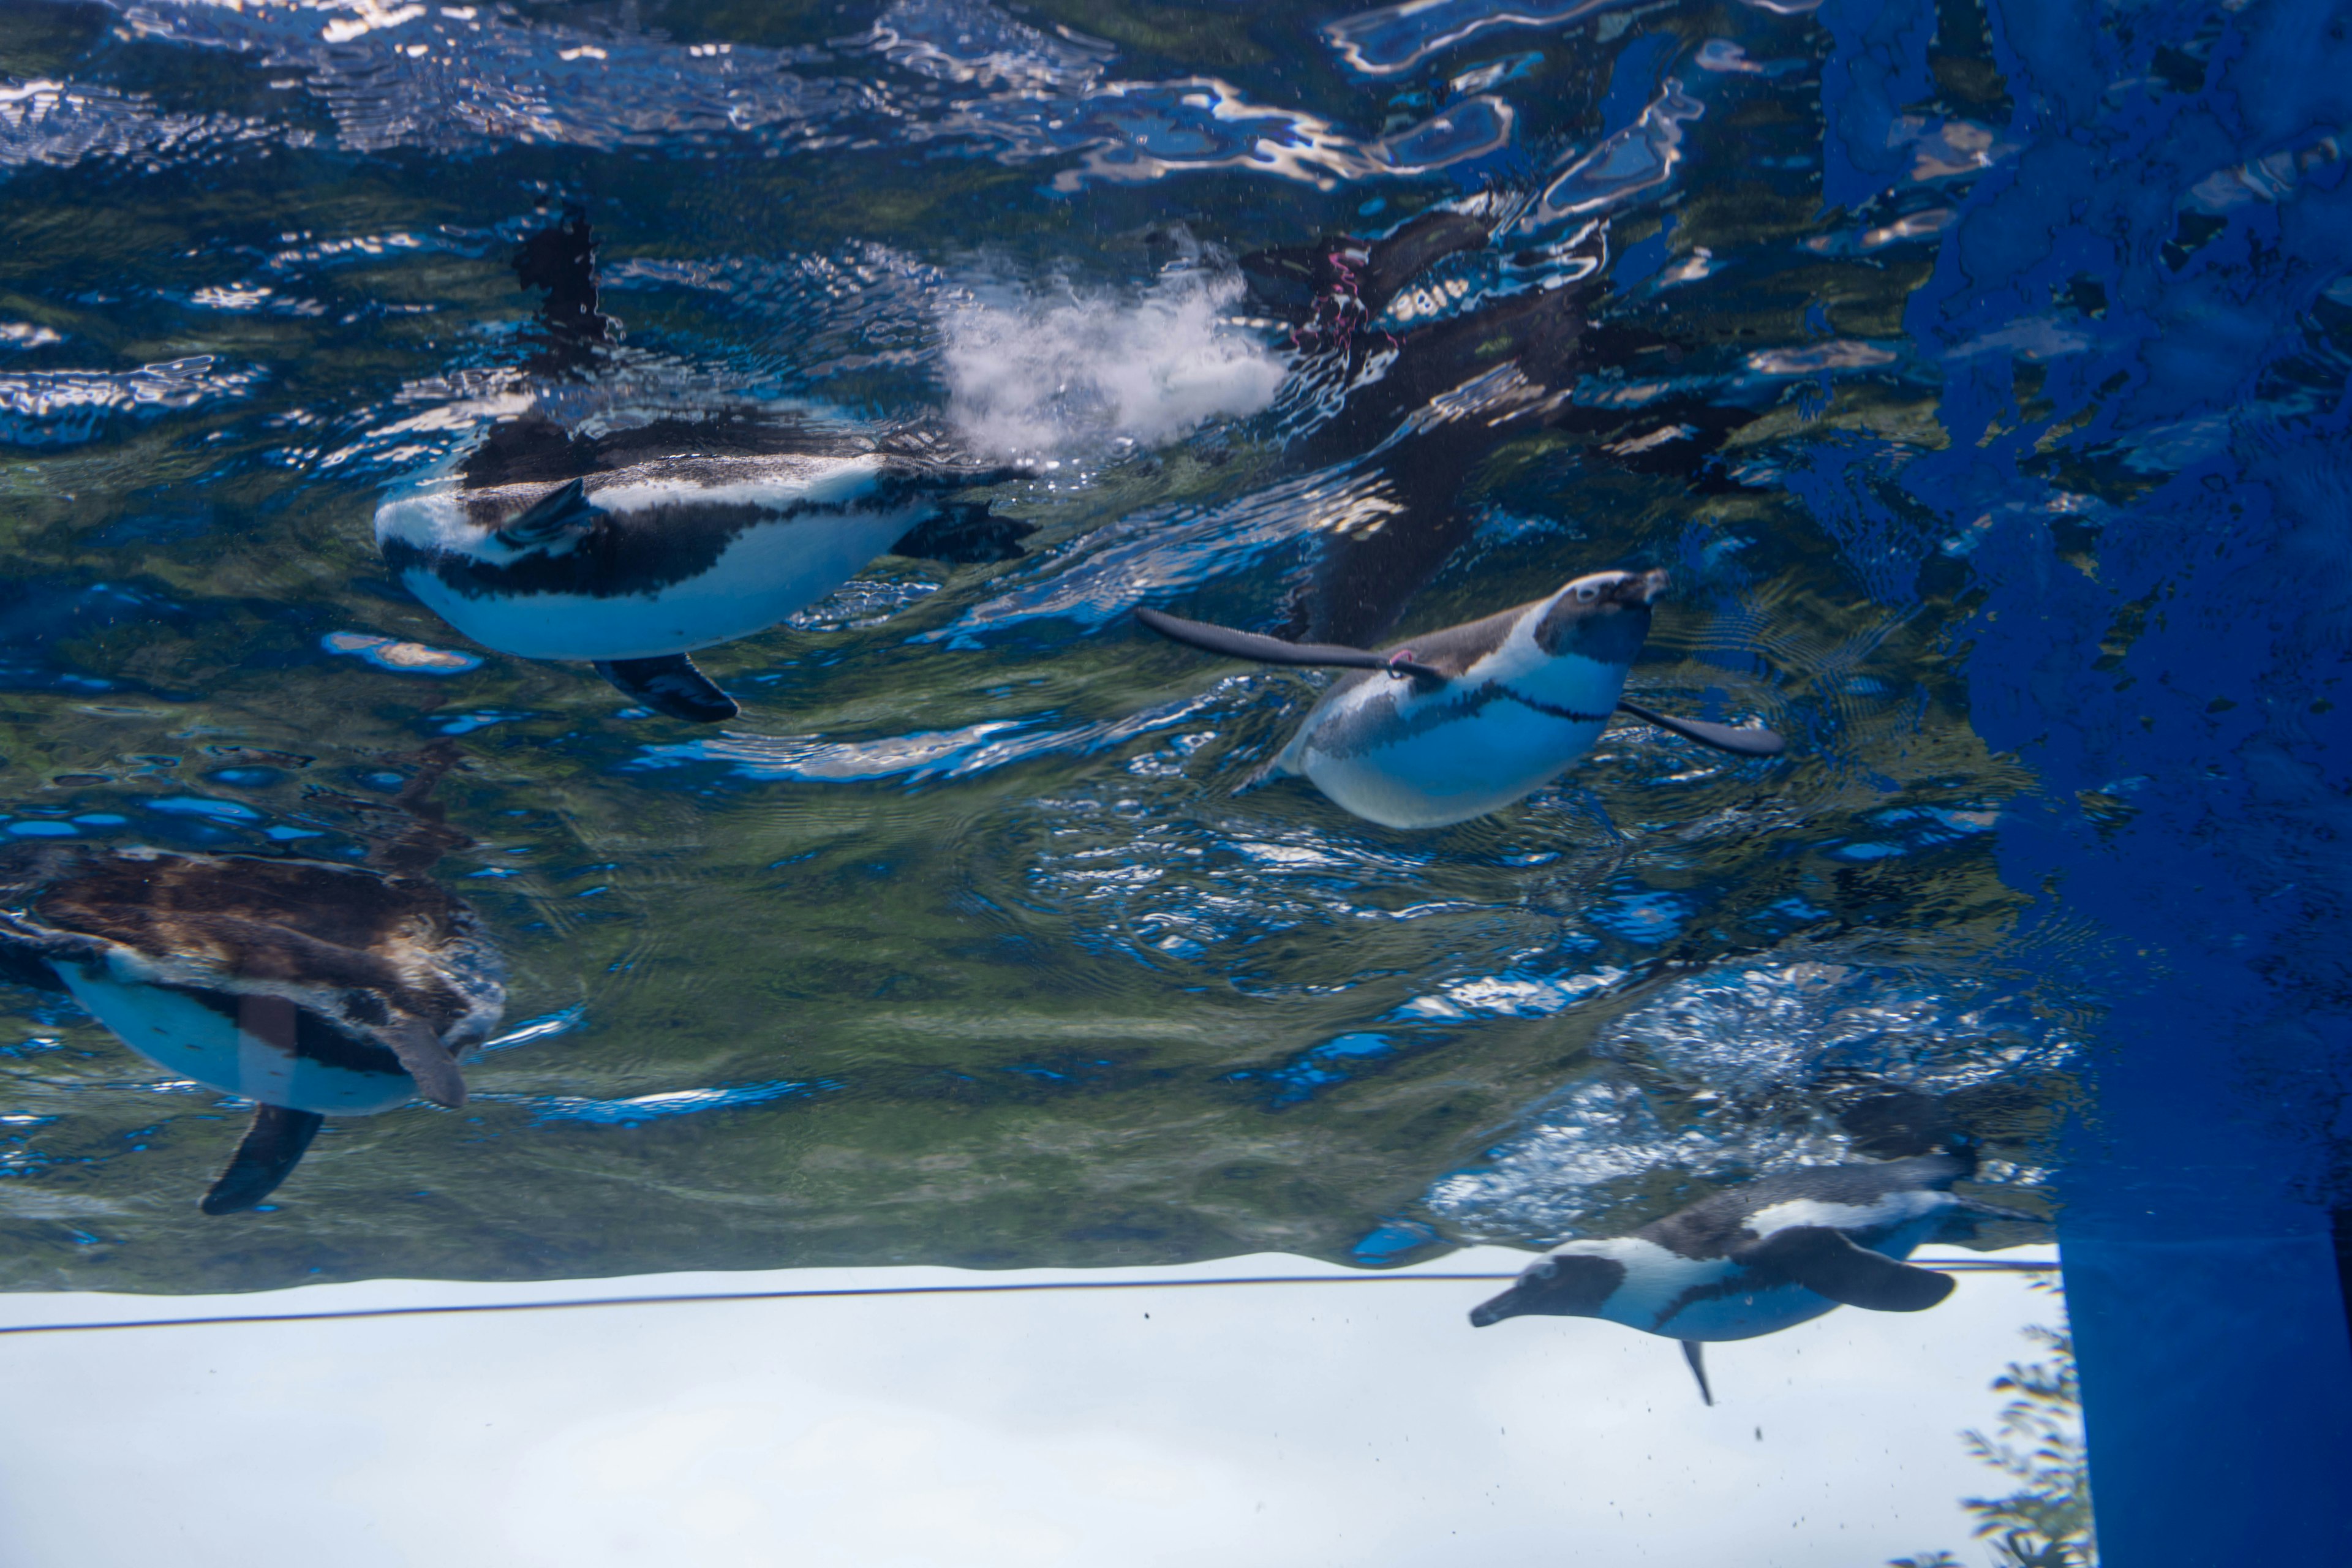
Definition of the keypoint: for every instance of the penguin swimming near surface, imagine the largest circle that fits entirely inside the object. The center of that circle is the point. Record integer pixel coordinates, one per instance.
(632, 549)
(1465, 721)
(1762, 1257)
(313, 988)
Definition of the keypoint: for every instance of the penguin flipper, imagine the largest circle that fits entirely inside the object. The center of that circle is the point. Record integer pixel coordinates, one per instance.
(273, 1146)
(560, 509)
(670, 685)
(1738, 742)
(426, 1060)
(1692, 1350)
(1828, 1263)
(1261, 650)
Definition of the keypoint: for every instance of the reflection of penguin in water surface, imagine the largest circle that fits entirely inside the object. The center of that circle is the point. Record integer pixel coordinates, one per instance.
(1422, 405)
(1468, 720)
(313, 988)
(1759, 1258)
(630, 548)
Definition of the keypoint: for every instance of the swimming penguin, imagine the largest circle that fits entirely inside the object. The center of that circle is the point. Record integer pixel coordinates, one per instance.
(1760, 1258)
(1467, 721)
(313, 988)
(632, 549)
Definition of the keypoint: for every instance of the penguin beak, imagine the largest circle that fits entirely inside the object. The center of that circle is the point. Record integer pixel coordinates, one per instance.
(1489, 1313)
(1640, 590)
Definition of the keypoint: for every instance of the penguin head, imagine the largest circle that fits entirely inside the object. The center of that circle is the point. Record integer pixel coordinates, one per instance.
(1604, 616)
(1564, 1285)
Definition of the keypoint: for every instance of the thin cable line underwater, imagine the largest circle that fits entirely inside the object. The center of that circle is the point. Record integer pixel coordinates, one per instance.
(451, 1309)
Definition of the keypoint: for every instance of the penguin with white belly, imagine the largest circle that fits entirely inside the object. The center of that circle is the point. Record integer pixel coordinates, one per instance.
(1762, 1257)
(1464, 721)
(632, 549)
(312, 987)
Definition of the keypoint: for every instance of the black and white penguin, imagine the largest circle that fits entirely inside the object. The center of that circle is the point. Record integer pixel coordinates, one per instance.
(631, 549)
(313, 988)
(1762, 1257)
(1465, 721)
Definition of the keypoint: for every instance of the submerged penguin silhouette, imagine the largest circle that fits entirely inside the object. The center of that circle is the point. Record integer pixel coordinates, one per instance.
(312, 987)
(1465, 721)
(1762, 1257)
(631, 548)
(1420, 406)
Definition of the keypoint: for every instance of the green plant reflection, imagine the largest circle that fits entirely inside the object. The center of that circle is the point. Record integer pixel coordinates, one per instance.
(2046, 1523)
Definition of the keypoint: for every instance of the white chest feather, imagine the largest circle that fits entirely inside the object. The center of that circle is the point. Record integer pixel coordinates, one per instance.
(767, 573)
(182, 1036)
(1515, 720)
(825, 526)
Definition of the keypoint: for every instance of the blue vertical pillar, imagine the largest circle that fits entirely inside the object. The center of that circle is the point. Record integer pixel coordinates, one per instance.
(2210, 1336)
(2167, 212)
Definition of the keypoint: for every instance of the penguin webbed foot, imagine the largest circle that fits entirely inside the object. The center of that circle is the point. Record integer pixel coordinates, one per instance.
(670, 685)
(1694, 1357)
(273, 1146)
(965, 534)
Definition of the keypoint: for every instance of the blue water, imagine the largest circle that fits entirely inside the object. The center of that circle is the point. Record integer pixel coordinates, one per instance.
(1978, 370)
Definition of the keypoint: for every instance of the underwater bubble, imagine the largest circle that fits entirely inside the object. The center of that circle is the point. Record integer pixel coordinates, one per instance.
(653, 1106)
(1032, 372)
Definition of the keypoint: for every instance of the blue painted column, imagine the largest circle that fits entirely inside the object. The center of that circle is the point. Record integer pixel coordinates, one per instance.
(2147, 492)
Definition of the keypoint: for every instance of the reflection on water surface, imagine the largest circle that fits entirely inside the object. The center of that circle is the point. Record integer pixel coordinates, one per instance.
(838, 382)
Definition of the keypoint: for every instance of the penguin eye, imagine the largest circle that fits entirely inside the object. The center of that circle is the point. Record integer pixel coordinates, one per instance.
(1586, 593)
(1546, 1269)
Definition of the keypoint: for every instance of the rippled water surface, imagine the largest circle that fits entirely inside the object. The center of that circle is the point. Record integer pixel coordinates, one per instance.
(978, 937)
(1976, 371)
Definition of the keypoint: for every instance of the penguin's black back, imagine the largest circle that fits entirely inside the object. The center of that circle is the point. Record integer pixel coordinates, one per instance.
(307, 921)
